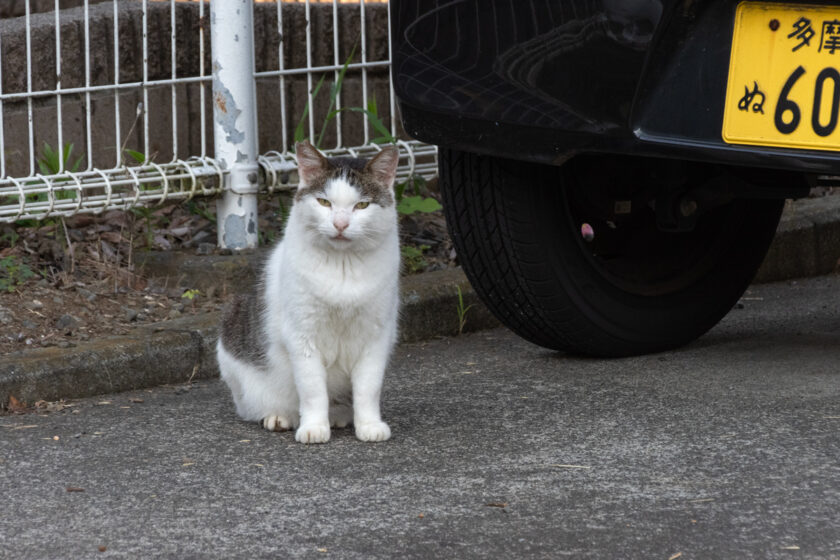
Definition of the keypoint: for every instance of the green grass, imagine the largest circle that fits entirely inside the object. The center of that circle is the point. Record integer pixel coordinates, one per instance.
(13, 273)
(412, 257)
(462, 311)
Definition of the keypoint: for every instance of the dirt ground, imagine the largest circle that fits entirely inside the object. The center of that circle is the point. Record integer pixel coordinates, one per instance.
(67, 281)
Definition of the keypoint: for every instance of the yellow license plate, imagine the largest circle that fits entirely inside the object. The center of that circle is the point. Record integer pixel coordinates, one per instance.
(784, 77)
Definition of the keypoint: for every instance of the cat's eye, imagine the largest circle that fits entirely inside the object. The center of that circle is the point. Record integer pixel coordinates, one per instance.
(324, 202)
(362, 205)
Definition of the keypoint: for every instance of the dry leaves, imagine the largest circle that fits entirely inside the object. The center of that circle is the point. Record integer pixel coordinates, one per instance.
(497, 504)
(16, 406)
(54, 406)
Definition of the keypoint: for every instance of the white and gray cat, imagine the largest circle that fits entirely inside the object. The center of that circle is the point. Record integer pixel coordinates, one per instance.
(310, 348)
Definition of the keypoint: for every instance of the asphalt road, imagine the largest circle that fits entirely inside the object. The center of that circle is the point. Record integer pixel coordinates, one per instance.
(729, 448)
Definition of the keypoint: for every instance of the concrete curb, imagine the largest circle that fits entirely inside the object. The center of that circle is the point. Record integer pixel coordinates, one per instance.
(807, 244)
(182, 349)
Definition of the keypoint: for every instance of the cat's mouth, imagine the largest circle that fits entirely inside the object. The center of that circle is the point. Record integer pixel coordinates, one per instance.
(340, 237)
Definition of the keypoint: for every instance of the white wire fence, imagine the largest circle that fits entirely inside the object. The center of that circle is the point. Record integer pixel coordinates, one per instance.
(123, 103)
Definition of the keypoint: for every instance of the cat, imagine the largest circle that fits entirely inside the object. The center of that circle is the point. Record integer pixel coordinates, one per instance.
(309, 349)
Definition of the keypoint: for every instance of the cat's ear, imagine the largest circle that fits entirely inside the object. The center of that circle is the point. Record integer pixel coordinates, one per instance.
(383, 166)
(311, 163)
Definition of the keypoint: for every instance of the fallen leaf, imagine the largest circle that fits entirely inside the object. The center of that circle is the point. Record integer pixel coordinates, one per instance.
(497, 504)
(104, 402)
(16, 405)
(55, 406)
(102, 548)
(188, 464)
(112, 237)
(136, 400)
(561, 466)
(794, 547)
(675, 556)
(75, 489)
(322, 550)
(28, 426)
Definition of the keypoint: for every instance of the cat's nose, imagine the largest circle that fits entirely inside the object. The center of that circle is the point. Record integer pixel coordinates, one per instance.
(340, 223)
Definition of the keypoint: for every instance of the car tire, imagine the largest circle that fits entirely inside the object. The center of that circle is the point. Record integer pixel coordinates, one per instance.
(519, 241)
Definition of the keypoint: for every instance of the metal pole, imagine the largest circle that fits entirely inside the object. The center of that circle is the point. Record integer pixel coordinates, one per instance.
(234, 121)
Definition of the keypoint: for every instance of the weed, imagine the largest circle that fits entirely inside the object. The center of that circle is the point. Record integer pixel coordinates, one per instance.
(267, 237)
(139, 157)
(371, 111)
(11, 237)
(416, 202)
(13, 274)
(413, 257)
(53, 162)
(190, 294)
(146, 214)
(462, 311)
(413, 204)
(200, 210)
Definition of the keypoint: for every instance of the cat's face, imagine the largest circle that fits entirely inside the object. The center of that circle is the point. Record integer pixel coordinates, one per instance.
(346, 203)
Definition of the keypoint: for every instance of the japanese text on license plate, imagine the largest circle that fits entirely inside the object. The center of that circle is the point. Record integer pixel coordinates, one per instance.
(784, 85)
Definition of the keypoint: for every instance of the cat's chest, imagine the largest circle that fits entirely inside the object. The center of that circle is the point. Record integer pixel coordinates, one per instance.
(343, 285)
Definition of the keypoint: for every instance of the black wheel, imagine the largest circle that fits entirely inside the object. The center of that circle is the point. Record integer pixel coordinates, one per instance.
(578, 258)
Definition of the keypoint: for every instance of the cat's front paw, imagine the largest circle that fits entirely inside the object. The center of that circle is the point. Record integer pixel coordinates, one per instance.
(277, 423)
(313, 433)
(373, 431)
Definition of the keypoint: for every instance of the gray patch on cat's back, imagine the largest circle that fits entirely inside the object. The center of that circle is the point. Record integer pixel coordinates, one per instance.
(241, 330)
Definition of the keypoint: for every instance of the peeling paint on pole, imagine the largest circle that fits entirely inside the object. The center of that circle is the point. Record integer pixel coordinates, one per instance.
(234, 231)
(235, 121)
(225, 111)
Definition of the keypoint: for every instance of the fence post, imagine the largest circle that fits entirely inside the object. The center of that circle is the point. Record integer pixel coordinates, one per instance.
(235, 121)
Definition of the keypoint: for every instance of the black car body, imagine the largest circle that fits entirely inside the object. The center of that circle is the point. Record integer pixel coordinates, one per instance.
(588, 188)
(541, 80)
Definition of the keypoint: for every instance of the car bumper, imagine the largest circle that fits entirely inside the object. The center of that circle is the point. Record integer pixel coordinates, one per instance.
(543, 81)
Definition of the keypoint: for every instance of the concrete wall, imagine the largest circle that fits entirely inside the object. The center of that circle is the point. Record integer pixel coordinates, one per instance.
(102, 71)
(16, 8)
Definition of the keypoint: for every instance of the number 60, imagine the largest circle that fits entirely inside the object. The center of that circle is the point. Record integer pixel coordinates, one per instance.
(785, 104)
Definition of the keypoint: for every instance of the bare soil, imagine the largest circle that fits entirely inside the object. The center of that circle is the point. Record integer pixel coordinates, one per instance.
(83, 281)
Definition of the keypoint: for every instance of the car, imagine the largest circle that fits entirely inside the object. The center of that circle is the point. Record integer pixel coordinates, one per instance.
(613, 172)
